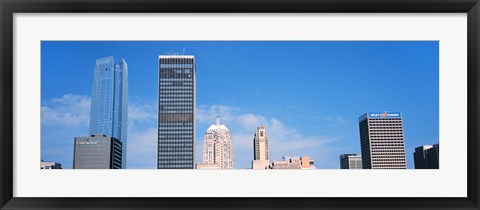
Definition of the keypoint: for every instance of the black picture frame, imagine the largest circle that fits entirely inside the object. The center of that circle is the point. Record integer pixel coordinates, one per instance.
(9, 7)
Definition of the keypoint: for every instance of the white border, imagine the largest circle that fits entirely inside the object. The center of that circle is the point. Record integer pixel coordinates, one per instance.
(449, 181)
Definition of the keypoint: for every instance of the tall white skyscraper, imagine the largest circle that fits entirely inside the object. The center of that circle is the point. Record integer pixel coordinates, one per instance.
(218, 147)
(260, 149)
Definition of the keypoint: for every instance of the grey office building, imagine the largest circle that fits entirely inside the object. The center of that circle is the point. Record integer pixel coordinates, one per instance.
(382, 141)
(350, 161)
(427, 157)
(176, 112)
(97, 152)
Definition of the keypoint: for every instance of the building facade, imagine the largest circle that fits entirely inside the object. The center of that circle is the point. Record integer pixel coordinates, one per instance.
(109, 106)
(218, 147)
(382, 140)
(350, 161)
(260, 149)
(427, 157)
(97, 152)
(176, 112)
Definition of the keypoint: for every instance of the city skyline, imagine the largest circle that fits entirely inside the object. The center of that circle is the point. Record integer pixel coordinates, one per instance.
(319, 123)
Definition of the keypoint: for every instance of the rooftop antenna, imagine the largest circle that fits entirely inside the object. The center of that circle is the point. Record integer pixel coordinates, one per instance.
(218, 120)
(183, 52)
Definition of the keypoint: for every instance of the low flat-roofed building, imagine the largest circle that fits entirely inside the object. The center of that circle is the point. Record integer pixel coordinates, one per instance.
(207, 166)
(293, 162)
(50, 165)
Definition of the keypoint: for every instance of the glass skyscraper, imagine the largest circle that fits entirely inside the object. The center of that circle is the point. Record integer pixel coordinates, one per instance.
(109, 106)
(176, 112)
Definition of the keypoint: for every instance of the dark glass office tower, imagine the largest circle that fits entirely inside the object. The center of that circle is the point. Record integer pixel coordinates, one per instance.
(176, 112)
(426, 157)
(109, 106)
(382, 142)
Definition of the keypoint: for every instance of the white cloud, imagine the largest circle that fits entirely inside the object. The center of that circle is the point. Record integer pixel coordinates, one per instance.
(142, 148)
(142, 112)
(68, 111)
(208, 113)
(336, 121)
(74, 110)
(251, 121)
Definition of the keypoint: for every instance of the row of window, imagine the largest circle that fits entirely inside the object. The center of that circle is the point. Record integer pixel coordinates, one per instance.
(177, 84)
(166, 142)
(174, 159)
(176, 90)
(173, 100)
(386, 150)
(175, 125)
(175, 153)
(176, 138)
(167, 100)
(386, 130)
(183, 124)
(386, 123)
(380, 132)
(387, 147)
(174, 96)
(388, 156)
(186, 111)
(175, 134)
(392, 136)
(173, 106)
(166, 129)
(388, 141)
(175, 147)
(182, 65)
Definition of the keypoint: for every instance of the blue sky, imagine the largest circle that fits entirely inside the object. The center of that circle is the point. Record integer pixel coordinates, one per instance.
(309, 94)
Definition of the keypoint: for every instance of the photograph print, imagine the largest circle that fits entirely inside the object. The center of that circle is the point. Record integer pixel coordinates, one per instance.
(247, 105)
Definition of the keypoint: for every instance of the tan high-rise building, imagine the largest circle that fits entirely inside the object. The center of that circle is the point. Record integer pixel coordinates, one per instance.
(218, 147)
(382, 140)
(260, 149)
